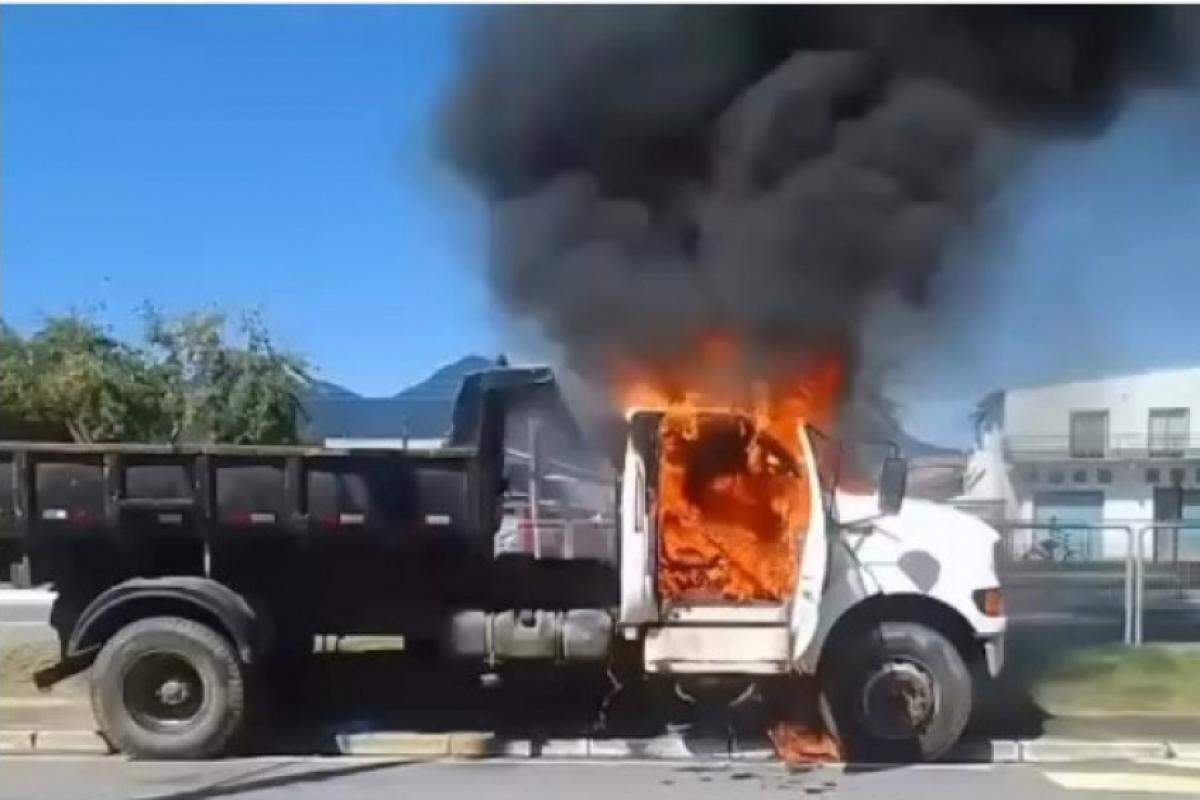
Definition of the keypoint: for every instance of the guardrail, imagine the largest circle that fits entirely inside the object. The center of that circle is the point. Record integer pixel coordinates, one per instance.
(1131, 627)
(1134, 560)
(1140, 593)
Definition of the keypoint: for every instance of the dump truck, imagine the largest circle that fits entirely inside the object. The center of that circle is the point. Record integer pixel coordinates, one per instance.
(184, 572)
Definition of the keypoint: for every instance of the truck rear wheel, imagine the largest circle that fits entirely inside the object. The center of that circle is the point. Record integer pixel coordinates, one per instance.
(169, 688)
(898, 691)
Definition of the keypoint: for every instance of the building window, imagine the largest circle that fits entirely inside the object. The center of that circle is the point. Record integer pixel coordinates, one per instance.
(1104, 476)
(1031, 475)
(1176, 543)
(1055, 476)
(1079, 476)
(1168, 505)
(1177, 476)
(1168, 431)
(1089, 434)
(1152, 475)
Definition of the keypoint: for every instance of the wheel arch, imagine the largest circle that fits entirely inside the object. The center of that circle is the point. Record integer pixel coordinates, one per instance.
(915, 608)
(200, 599)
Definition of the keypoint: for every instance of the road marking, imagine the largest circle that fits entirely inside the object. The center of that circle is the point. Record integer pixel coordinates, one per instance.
(1149, 782)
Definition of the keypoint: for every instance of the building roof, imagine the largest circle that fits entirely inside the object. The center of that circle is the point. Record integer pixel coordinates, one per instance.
(1109, 377)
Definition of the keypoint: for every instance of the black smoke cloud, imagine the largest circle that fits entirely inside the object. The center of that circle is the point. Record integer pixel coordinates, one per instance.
(659, 173)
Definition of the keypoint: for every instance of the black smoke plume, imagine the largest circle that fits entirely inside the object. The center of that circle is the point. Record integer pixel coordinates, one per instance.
(660, 173)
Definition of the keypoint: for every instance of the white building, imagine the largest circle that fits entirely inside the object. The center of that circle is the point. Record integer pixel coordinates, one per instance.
(1115, 450)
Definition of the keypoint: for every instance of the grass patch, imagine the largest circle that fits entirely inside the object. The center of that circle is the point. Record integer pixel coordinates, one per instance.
(1159, 679)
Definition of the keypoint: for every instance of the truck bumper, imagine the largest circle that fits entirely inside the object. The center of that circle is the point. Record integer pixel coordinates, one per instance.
(993, 654)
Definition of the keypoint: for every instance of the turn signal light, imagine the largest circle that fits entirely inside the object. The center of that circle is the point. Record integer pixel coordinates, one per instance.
(990, 602)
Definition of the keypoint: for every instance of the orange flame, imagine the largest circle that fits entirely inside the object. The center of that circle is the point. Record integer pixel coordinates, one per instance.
(796, 744)
(733, 498)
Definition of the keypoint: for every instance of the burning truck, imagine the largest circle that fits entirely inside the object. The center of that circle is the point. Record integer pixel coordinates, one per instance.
(739, 560)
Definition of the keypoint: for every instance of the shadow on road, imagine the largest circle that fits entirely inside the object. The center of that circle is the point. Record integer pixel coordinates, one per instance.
(309, 700)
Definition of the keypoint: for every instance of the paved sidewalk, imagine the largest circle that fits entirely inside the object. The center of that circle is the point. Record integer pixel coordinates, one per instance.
(48, 713)
(26, 606)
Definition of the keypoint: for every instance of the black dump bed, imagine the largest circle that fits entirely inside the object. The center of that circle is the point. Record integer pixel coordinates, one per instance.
(123, 501)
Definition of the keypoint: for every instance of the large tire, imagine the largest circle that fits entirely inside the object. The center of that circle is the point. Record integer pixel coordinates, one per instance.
(896, 692)
(169, 688)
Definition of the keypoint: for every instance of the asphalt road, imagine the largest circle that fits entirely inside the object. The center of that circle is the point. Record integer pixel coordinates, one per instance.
(49, 778)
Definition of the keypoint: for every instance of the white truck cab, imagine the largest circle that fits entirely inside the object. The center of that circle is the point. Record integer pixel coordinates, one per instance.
(896, 609)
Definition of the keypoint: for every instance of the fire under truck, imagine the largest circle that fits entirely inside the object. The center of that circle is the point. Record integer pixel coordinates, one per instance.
(181, 571)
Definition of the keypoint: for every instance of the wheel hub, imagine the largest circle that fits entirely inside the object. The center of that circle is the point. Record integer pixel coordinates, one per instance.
(899, 699)
(174, 692)
(163, 691)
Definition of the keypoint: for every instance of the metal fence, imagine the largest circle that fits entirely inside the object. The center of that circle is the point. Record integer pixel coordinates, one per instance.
(1038, 551)
(1135, 558)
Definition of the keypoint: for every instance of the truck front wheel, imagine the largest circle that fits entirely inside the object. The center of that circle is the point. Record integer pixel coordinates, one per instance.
(169, 688)
(898, 691)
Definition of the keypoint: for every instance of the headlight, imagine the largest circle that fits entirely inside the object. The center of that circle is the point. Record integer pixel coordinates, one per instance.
(990, 602)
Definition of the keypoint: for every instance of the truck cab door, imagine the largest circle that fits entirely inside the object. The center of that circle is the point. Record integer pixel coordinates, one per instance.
(639, 604)
(814, 560)
(713, 635)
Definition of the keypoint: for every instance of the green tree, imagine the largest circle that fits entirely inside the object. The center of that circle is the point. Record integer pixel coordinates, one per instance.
(189, 382)
(15, 420)
(988, 413)
(220, 391)
(74, 374)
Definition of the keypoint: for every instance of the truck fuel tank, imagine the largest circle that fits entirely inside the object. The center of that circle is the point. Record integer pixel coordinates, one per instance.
(580, 634)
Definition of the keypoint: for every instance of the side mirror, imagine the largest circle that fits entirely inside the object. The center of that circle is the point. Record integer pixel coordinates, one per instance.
(893, 481)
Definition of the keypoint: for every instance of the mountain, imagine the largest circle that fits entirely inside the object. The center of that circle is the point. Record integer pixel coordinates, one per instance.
(422, 411)
(917, 448)
(443, 384)
(329, 389)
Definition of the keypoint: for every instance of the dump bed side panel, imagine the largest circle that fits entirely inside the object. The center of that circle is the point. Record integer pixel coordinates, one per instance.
(68, 496)
(126, 501)
(7, 529)
(10, 546)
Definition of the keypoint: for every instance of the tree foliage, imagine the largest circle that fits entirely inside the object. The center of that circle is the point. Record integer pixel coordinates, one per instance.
(988, 414)
(223, 393)
(190, 380)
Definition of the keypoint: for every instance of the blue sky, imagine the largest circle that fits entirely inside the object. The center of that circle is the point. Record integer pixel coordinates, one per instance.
(1092, 267)
(248, 157)
(280, 158)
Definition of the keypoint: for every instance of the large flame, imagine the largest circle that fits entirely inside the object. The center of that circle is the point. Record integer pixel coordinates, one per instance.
(733, 499)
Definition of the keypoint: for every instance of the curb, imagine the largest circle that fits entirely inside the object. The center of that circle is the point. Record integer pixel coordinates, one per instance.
(476, 744)
(31, 597)
(76, 742)
(1046, 751)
